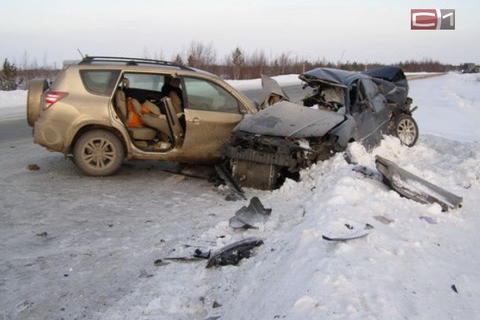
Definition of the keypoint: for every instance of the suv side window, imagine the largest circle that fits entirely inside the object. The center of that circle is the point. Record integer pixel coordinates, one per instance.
(99, 82)
(145, 81)
(206, 95)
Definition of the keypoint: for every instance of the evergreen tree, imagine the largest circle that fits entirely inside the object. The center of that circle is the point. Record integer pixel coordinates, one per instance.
(8, 76)
(178, 60)
(237, 62)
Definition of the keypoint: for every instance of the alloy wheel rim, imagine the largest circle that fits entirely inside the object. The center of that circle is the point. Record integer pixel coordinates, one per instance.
(407, 131)
(98, 153)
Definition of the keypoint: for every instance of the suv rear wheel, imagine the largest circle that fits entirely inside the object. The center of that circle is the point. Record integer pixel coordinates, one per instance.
(98, 153)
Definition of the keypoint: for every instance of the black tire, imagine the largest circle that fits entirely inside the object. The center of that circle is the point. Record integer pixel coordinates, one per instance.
(98, 153)
(406, 129)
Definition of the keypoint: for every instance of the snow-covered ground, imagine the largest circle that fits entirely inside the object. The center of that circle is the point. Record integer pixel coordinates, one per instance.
(73, 246)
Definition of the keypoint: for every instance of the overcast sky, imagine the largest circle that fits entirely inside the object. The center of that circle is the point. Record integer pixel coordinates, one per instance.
(367, 31)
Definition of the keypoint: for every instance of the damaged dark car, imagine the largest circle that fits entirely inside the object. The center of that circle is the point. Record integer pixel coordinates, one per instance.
(285, 137)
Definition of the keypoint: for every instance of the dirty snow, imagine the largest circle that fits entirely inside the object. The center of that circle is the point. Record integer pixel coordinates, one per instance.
(77, 247)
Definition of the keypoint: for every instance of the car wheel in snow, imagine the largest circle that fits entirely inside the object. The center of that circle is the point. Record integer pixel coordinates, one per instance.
(98, 153)
(406, 129)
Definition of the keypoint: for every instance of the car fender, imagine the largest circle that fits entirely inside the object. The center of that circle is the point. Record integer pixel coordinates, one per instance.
(80, 127)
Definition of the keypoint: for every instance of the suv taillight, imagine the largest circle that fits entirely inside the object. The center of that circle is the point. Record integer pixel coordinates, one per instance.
(52, 97)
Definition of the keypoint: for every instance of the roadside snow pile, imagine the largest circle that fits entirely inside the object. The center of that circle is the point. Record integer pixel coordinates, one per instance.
(406, 266)
(12, 104)
(285, 80)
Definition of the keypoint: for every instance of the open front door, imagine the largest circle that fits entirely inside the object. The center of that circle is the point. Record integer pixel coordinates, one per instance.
(211, 113)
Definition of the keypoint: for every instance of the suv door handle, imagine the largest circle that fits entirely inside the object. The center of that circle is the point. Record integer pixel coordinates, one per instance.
(196, 120)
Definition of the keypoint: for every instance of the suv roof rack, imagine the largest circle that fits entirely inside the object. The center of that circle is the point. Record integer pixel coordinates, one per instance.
(132, 61)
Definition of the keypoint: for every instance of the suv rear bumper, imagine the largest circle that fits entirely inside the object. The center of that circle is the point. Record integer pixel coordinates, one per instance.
(49, 136)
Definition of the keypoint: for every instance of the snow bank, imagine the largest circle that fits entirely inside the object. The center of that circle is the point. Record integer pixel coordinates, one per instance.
(12, 104)
(404, 269)
(285, 80)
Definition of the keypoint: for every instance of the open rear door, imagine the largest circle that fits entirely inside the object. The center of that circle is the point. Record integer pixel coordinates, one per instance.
(176, 130)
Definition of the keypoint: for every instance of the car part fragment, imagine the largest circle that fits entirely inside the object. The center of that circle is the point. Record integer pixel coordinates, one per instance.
(415, 188)
(246, 217)
(233, 253)
(226, 176)
(272, 92)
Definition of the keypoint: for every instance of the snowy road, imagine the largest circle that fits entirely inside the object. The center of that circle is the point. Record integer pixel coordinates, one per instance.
(74, 247)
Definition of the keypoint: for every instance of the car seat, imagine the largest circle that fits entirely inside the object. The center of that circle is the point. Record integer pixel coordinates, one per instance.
(137, 133)
(152, 117)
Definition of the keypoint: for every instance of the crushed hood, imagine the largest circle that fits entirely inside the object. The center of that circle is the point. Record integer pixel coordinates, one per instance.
(286, 119)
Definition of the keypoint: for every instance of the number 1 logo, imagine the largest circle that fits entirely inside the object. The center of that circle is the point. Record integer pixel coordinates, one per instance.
(432, 19)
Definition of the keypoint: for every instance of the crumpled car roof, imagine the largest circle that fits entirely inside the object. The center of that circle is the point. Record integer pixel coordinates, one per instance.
(287, 119)
(391, 81)
(389, 73)
(331, 76)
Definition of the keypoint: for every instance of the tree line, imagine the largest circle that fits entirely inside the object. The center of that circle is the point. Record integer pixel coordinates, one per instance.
(236, 65)
(239, 64)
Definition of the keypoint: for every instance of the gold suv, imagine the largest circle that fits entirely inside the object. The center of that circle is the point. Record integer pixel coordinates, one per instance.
(105, 109)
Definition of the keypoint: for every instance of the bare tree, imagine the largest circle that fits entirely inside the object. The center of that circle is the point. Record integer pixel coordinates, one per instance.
(284, 61)
(26, 59)
(200, 55)
(257, 64)
(155, 55)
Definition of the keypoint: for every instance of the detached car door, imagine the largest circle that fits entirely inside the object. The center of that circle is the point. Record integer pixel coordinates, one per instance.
(370, 112)
(211, 113)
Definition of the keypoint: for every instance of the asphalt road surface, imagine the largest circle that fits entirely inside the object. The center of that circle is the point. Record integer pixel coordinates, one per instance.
(12, 130)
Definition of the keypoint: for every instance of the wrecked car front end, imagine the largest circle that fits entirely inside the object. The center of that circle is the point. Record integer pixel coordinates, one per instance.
(279, 141)
(344, 106)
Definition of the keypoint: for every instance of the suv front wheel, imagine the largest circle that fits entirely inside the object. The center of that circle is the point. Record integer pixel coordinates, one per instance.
(406, 129)
(98, 153)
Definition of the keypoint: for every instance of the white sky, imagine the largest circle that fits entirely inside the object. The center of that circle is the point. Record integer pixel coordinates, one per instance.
(50, 31)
